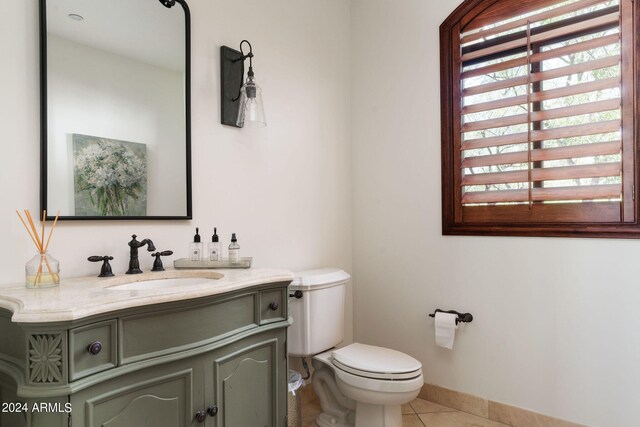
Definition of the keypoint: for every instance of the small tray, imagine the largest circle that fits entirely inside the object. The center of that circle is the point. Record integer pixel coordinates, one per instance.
(184, 263)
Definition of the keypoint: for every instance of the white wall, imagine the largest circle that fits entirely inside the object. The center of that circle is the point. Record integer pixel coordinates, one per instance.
(285, 190)
(556, 322)
(98, 93)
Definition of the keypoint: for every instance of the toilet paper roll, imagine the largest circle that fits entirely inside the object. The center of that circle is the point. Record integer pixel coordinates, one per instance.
(445, 324)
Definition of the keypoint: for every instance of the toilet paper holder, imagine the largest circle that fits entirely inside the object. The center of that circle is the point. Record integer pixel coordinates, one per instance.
(462, 317)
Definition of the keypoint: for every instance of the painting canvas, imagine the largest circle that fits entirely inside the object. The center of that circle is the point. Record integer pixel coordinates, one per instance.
(110, 177)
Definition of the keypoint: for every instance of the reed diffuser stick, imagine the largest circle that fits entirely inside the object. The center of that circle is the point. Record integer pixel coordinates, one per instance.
(55, 221)
(46, 248)
(42, 249)
(35, 231)
(28, 232)
(44, 218)
(33, 228)
(27, 228)
(39, 274)
(46, 261)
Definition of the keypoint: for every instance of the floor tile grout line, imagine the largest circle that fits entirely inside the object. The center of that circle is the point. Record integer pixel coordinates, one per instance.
(450, 411)
(463, 412)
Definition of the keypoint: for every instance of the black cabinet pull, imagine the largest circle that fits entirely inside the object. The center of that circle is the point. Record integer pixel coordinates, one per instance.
(94, 348)
(274, 306)
(297, 294)
(212, 410)
(201, 416)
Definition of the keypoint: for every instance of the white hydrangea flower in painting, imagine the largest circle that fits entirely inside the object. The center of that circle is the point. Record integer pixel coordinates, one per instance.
(112, 173)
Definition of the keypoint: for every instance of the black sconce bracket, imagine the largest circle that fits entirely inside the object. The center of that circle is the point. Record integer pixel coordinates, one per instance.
(231, 79)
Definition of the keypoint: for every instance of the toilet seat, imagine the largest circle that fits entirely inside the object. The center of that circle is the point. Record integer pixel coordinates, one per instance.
(384, 386)
(376, 362)
(377, 375)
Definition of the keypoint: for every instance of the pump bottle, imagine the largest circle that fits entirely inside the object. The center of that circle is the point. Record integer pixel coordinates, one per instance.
(195, 248)
(234, 250)
(214, 249)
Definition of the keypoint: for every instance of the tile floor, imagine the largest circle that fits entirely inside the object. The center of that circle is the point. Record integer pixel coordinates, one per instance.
(419, 413)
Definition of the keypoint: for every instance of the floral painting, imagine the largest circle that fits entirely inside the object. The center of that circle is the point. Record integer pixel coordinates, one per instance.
(110, 177)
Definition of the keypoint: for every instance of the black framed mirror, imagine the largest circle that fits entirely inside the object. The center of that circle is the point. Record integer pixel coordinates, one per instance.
(115, 109)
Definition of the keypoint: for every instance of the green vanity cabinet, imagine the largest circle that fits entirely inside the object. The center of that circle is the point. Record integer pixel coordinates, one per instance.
(214, 361)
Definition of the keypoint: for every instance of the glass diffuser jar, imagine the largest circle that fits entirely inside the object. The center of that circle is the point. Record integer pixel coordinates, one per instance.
(42, 271)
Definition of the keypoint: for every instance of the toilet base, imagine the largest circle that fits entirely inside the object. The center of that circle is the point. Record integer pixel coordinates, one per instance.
(326, 420)
(337, 409)
(368, 415)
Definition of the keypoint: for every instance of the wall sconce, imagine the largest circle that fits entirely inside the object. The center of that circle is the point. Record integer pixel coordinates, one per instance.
(241, 103)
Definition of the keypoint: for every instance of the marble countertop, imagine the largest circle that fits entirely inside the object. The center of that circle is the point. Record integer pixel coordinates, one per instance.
(81, 297)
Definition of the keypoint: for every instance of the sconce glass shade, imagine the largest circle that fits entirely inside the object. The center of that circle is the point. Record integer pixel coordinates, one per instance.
(251, 110)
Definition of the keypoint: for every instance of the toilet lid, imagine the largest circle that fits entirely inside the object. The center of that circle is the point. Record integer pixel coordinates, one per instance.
(312, 280)
(376, 362)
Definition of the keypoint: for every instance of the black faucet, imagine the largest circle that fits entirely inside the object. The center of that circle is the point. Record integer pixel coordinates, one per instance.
(134, 264)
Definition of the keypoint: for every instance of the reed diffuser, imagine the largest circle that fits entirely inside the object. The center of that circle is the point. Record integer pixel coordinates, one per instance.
(43, 270)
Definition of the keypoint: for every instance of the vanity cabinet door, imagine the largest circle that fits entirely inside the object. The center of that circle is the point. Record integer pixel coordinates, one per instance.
(248, 383)
(161, 396)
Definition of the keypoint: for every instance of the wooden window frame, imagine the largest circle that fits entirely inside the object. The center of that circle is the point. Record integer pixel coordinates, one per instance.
(450, 88)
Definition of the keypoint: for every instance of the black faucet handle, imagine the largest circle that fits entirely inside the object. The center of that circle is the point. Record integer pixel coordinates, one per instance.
(157, 264)
(105, 270)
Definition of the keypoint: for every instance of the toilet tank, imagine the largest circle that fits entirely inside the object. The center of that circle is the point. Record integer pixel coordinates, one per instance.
(318, 317)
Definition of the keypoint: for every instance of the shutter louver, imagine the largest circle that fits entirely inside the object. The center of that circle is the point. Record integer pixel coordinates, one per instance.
(541, 110)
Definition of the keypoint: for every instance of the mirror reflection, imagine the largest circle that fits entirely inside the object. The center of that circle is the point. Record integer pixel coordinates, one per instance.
(116, 109)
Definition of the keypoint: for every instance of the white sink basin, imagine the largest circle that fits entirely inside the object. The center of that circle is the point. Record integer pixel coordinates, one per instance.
(158, 284)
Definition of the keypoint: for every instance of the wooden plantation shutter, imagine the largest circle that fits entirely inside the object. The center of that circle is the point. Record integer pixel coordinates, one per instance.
(538, 112)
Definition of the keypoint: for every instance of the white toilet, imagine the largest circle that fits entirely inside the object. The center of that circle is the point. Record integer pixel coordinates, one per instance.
(357, 385)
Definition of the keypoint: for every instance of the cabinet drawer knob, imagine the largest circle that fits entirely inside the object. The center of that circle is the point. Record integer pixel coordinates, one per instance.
(212, 410)
(201, 416)
(94, 348)
(274, 306)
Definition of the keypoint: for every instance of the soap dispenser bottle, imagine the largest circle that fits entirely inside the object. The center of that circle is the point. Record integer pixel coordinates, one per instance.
(195, 248)
(234, 250)
(215, 248)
